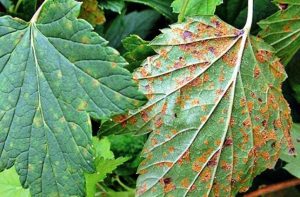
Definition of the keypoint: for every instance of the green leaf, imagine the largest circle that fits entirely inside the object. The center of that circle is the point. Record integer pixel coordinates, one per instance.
(10, 184)
(216, 112)
(195, 7)
(92, 13)
(54, 73)
(137, 51)
(6, 3)
(113, 5)
(123, 26)
(235, 12)
(293, 160)
(282, 30)
(105, 164)
(163, 7)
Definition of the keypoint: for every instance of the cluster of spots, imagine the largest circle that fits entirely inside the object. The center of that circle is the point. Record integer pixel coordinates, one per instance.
(213, 127)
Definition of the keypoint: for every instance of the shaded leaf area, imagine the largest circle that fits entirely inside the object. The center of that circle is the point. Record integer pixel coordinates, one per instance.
(123, 26)
(137, 51)
(10, 184)
(92, 13)
(113, 5)
(293, 70)
(6, 3)
(23, 8)
(293, 161)
(196, 7)
(216, 113)
(235, 12)
(105, 163)
(48, 88)
(282, 30)
(163, 7)
(130, 146)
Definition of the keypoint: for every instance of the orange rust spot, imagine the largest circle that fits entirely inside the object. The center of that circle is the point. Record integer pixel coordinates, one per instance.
(203, 119)
(196, 167)
(143, 72)
(256, 72)
(132, 120)
(145, 116)
(205, 175)
(158, 123)
(250, 106)
(247, 123)
(163, 53)
(164, 108)
(205, 77)
(206, 142)
(171, 149)
(195, 102)
(154, 141)
(185, 183)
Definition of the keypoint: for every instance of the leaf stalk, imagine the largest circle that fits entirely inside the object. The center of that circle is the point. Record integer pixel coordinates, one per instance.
(182, 11)
(37, 13)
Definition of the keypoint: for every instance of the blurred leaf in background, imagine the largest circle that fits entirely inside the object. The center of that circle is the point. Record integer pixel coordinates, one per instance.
(113, 5)
(105, 163)
(91, 12)
(137, 50)
(10, 185)
(161, 6)
(140, 23)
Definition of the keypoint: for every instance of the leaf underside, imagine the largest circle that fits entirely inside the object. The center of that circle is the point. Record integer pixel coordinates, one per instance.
(215, 123)
(282, 30)
(54, 73)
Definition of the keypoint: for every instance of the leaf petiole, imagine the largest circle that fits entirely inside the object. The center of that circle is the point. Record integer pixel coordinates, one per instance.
(182, 11)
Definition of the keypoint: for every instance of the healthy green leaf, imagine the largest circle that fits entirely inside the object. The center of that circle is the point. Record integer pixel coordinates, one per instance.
(137, 51)
(54, 73)
(163, 7)
(293, 161)
(123, 26)
(216, 112)
(113, 5)
(10, 185)
(235, 12)
(293, 70)
(282, 30)
(105, 163)
(196, 7)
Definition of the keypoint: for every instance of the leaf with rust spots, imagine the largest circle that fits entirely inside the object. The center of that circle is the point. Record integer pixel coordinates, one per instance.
(224, 129)
(91, 12)
(282, 30)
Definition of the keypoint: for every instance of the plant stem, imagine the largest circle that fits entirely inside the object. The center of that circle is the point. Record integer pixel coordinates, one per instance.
(274, 187)
(122, 184)
(182, 11)
(248, 24)
(37, 13)
(17, 6)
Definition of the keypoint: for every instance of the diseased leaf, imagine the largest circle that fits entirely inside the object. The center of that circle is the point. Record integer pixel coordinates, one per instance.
(293, 161)
(216, 113)
(163, 7)
(282, 30)
(105, 164)
(92, 13)
(137, 51)
(196, 7)
(54, 73)
(10, 185)
(123, 26)
(113, 5)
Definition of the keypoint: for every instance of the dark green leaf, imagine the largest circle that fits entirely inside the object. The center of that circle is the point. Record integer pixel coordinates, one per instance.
(216, 112)
(7, 4)
(140, 23)
(54, 73)
(137, 51)
(162, 6)
(113, 5)
(282, 30)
